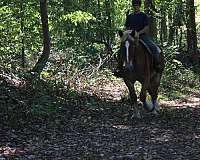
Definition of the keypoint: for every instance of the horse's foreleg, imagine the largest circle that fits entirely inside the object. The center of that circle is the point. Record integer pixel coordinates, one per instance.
(133, 98)
(153, 91)
(143, 95)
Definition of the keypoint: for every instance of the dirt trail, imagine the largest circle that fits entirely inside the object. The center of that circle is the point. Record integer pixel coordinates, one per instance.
(97, 126)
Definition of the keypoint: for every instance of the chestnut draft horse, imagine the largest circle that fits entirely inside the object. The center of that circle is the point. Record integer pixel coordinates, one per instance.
(138, 65)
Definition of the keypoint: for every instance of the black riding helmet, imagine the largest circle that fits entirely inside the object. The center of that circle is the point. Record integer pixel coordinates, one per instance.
(136, 2)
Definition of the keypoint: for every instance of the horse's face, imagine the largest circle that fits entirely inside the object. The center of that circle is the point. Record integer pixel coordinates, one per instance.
(127, 49)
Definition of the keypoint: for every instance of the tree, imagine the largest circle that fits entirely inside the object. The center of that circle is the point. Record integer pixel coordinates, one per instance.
(46, 39)
(150, 10)
(22, 32)
(163, 24)
(176, 21)
(191, 28)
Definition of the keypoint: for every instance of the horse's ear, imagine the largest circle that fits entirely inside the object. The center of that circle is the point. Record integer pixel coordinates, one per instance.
(133, 33)
(120, 33)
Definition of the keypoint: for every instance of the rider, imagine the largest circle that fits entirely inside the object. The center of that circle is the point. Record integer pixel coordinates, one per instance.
(139, 21)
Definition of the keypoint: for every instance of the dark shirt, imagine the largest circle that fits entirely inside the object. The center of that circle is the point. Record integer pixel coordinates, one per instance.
(136, 21)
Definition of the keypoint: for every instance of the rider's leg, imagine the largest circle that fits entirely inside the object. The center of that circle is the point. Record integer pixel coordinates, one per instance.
(155, 50)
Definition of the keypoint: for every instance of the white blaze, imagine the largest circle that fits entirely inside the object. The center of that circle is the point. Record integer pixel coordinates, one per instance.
(127, 53)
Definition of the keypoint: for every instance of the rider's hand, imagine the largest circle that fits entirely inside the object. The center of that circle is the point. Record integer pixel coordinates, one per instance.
(137, 35)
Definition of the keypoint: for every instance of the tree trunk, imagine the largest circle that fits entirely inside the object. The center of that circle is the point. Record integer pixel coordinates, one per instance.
(171, 34)
(171, 27)
(109, 20)
(191, 27)
(22, 33)
(99, 34)
(163, 24)
(178, 22)
(150, 9)
(46, 39)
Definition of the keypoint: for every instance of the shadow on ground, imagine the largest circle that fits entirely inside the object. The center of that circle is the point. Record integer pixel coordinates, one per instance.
(89, 128)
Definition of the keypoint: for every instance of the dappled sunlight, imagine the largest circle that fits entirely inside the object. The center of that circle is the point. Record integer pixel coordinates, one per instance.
(11, 151)
(190, 101)
(122, 127)
(112, 90)
(94, 125)
(164, 136)
(59, 98)
(13, 80)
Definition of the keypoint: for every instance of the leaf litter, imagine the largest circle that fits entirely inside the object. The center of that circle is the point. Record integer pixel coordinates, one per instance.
(95, 126)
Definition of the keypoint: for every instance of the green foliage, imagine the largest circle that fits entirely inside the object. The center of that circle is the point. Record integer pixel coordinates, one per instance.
(121, 7)
(80, 32)
(177, 80)
(79, 17)
(20, 28)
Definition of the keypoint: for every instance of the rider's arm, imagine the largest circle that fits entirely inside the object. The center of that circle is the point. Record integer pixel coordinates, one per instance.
(127, 25)
(145, 30)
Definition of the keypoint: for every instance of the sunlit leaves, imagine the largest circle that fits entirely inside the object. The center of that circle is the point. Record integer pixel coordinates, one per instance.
(20, 30)
(79, 17)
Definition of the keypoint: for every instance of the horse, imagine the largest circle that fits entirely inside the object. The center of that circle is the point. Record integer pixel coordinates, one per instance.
(138, 65)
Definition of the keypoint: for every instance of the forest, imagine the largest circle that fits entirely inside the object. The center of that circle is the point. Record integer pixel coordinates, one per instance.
(59, 98)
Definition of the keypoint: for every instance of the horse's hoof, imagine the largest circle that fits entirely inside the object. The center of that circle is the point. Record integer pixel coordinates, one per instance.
(157, 107)
(148, 106)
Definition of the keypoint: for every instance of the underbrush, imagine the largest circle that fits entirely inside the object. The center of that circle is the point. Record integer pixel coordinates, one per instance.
(177, 80)
(67, 86)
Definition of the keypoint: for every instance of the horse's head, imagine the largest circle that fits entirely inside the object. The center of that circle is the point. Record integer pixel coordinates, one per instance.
(129, 42)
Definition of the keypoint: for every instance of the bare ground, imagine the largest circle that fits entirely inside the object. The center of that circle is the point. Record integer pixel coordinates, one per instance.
(97, 125)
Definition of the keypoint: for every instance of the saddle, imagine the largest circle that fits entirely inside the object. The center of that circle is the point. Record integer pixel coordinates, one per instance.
(156, 57)
(147, 47)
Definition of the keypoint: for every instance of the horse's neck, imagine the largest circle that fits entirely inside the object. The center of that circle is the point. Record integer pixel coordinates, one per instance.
(142, 54)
